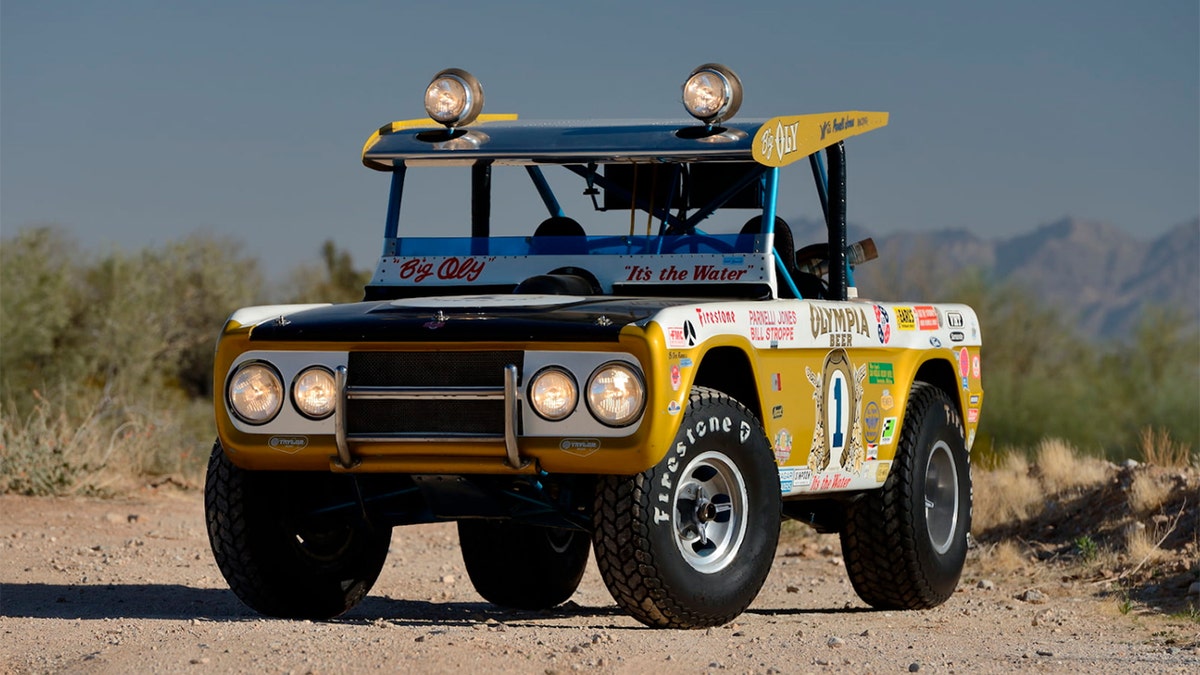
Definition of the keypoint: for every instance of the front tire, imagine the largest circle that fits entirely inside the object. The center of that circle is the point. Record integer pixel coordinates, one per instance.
(905, 544)
(523, 566)
(278, 556)
(689, 542)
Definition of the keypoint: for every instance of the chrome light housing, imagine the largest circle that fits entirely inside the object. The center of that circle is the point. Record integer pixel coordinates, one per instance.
(616, 394)
(255, 392)
(712, 93)
(314, 393)
(454, 98)
(553, 394)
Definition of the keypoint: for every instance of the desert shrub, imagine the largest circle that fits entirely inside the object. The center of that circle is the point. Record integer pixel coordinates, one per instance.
(1006, 493)
(334, 279)
(105, 370)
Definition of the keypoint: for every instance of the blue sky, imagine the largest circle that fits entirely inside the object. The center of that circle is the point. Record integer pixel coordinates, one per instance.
(132, 123)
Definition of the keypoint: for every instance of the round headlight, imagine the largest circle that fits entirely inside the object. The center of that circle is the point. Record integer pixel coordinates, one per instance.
(712, 93)
(314, 393)
(255, 393)
(454, 98)
(616, 394)
(553, 394)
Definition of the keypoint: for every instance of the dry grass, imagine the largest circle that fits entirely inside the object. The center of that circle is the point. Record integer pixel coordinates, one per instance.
(1158, 449)
(1141, 546)
(1061, 467)
(1148, 492)
(87, 442)
(1004, 558)
(1006, 493)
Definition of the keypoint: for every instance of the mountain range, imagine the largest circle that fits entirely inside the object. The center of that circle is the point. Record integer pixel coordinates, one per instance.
(1101, 277)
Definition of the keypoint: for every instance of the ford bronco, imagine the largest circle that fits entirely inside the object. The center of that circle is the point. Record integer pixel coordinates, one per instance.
(597, 336)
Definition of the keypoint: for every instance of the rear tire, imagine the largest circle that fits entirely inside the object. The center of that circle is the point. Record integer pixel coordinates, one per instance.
(277, 556)
(689, 542)
(523, 566)
(905, 543)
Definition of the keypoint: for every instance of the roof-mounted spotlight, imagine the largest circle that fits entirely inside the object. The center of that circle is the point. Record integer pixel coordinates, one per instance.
(712, 93)
(454, 98)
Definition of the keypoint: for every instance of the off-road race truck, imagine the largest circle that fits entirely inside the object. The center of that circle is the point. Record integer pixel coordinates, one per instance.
(629, 356)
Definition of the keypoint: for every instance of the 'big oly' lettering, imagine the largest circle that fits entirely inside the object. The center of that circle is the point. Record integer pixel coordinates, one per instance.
(451, 269)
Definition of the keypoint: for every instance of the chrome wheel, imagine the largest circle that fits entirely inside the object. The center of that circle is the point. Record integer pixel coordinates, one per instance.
(941, 497)
(710, 507)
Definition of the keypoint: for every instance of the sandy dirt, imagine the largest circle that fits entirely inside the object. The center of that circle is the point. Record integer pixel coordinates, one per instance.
(121, 586)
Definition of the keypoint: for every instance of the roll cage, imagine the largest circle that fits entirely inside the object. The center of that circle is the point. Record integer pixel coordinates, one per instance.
(677, 174)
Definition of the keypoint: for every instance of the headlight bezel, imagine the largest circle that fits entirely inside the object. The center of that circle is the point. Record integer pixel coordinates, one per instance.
(573, 388)
(276, 381)
(471, 94)
(639, 381)
(730, 90)
(296, 398)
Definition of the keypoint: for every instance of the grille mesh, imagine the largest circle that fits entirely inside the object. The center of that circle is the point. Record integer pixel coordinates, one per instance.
(427, 369)
(430, 369)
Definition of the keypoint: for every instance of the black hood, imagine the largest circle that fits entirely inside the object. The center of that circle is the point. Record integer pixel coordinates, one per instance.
(503, 318)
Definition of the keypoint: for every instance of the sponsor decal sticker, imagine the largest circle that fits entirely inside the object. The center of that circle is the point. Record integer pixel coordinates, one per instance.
(673, 407)
(773, 325)
(888, 434)
(288, 444)
(886, 401)
(935, 342)
(880, 373)
(964, 362)
(783, 446)
(803, 476)
(777, 412)
(927, 318)
(872, 452)
(885, 326)
(685, 362)
(580, 447)
(418, 270)
(776, 382)
(975, 366)
(881, 471)
(972, 415)
(871, 417)
(905, 318)
(841, 324)
(787, 475)
(974, 399)
(676, 378)
(716, 317)
(954, 319)
(675, 337)
(957, 336)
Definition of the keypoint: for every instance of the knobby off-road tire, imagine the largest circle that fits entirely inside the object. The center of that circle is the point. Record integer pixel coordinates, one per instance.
(904, 544)
(278, 558)
(689, 542)
(523, 566)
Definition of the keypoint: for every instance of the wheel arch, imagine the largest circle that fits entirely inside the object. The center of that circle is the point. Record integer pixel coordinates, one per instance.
(728, 370)
(940, 373)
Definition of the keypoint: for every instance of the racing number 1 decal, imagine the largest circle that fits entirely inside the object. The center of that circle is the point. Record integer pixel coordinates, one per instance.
(837, 434)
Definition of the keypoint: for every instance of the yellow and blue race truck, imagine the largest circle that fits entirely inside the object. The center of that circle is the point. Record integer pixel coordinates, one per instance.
(599, 336)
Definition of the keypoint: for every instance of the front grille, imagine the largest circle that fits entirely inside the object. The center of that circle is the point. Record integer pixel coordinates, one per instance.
(425, 417)
(429, 369)
(404, 410)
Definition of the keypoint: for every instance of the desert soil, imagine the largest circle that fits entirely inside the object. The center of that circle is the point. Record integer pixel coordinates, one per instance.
(122, 586)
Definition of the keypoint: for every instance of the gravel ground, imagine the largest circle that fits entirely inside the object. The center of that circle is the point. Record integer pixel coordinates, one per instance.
(103, 586)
